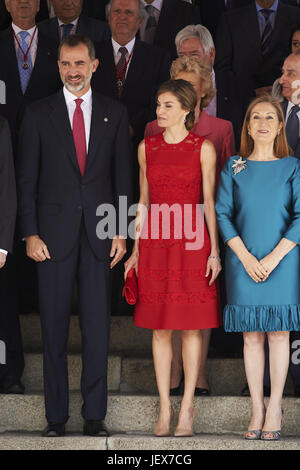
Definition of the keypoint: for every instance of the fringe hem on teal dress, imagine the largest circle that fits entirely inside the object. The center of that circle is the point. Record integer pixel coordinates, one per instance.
(249, 318)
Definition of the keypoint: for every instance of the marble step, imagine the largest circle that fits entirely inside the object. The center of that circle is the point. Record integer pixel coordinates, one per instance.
(124, 336)
(136, 374)
(125, 442)
(132, 413)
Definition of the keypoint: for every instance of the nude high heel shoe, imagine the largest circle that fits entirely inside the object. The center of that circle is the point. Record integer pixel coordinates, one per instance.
(186, 431)
(164, 431)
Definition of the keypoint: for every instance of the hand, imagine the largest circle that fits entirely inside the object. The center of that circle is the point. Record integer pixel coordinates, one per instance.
(118, 250)
(254, 268)
(270, 262)
(36, 249)
(2, 260)
(213, 265)
(132, 262)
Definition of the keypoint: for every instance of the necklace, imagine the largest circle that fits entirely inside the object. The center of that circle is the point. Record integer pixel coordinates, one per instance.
(25, 65)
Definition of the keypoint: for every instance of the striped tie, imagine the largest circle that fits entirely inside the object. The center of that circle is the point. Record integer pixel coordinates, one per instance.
(267, 32)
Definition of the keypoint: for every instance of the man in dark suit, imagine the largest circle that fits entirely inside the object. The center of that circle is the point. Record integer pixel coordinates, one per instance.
(163, 20)
(251, 45)
(37, 79)
(69, 19)
(31, 79)
(64, 181)
(5, 18)
(11, 368)
(25, 81)
(132, 75)
(290, 89)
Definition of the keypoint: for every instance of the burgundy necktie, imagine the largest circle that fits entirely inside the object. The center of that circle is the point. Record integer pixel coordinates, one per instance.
(79, 136)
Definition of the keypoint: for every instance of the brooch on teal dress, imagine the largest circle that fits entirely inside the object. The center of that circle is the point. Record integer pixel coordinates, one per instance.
(239, 165)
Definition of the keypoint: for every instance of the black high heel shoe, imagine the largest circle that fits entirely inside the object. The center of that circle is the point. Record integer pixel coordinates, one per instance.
(178, 391)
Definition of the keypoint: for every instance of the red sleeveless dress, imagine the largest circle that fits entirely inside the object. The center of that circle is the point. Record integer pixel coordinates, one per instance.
(173, 292)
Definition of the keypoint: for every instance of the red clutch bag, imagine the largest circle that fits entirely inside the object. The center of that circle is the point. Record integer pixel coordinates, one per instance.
(130, 289)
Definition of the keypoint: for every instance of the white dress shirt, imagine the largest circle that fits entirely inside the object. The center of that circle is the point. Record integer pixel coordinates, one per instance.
(288, 110)
(157, 4)
(86, 107)
(34, 45)
(117, 54)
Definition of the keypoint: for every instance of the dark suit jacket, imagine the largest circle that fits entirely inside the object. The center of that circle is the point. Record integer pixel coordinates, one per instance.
(212, 10)
(44, 79)
(149, 67)
(174, 15)
(96, 30)
(240, 67)
(53, 197)
(8, 197)
(284, 106)
(95, 9)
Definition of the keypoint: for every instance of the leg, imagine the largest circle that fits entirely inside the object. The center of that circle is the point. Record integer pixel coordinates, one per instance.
(176, 368)
(56, 280)
(279, 363)
(162, 357)
(191, 354)
(94, 313)
(202, 380)
(254, 359)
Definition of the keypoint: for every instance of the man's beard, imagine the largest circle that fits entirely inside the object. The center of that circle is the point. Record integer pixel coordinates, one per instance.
(80, 86)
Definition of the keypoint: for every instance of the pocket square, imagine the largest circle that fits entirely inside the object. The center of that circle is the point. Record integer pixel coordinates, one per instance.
(130, 289)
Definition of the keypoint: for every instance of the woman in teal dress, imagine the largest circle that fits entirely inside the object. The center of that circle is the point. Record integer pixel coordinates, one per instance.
(258, 211)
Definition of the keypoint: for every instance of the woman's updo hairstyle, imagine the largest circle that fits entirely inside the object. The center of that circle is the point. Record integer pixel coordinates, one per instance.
(185, 94)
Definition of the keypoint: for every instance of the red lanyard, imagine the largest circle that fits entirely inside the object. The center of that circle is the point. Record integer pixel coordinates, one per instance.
(25, 54)
(123, 69)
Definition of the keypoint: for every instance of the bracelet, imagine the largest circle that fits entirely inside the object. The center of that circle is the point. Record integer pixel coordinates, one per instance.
(214, 257)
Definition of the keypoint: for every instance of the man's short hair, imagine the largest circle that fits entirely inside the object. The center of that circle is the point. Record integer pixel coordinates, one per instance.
(142, 11)
(195, 31)
(74, 40)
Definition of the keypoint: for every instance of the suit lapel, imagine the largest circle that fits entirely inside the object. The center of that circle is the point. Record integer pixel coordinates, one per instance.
(136, 68)
(14, 76)
(252, 31)
(167, 16)
(108, 69)
(204, 124)
(41, 61)
(82, 26)
(61, 122)
(98, 128)
(281, 24)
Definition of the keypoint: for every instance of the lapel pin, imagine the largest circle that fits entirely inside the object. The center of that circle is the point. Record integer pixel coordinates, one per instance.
(105, 119)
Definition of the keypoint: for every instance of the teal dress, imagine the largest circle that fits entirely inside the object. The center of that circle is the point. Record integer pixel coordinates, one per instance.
(261, 204)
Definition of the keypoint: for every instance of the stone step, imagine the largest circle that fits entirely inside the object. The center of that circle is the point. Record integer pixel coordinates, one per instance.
(33, 441)
(138, 414)
(131, 374)
(124, 336)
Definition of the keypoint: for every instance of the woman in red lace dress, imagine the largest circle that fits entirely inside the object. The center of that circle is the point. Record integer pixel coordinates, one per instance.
(175, 256)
